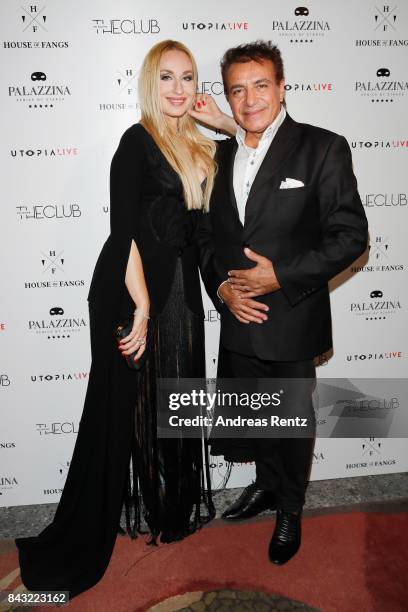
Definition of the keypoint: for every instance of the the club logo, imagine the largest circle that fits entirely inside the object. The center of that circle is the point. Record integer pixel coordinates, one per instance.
(48, 211)
(214, 88)
(385, 200)
(57, 428)
(125, 26)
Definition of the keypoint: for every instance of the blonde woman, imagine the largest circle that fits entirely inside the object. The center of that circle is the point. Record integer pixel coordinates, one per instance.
(160, 182)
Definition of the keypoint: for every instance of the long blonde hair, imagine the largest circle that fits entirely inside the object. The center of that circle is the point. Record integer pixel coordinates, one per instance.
(154, 121)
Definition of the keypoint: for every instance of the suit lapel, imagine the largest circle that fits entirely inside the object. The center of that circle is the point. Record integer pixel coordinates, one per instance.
(231, 176)
(284, 142)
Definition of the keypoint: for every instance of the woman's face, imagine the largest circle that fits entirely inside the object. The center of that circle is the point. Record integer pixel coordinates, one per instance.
(177, 88)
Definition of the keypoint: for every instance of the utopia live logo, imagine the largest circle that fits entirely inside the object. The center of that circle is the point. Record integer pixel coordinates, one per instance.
(33, 18)
(385, 19)
(216, 25)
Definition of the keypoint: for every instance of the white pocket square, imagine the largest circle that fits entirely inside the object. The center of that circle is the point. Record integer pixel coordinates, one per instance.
(288, 183)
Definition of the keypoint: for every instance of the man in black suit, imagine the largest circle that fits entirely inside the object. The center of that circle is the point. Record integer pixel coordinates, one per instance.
(285, 217)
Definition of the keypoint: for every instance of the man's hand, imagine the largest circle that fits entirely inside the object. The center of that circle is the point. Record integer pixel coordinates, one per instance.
(243, 308)
(256, 281)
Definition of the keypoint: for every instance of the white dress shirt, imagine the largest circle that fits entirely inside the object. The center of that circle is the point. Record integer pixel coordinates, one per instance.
(248, 160)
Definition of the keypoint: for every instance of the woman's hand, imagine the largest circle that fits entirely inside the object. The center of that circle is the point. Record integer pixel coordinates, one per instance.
(136, 340)
(207, 111)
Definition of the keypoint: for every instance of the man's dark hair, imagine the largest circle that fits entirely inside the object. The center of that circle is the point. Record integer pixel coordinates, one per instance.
(256, 51)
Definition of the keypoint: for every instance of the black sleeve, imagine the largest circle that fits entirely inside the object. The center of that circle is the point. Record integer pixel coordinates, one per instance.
(343, 229)
(127, 171)
(212, 272)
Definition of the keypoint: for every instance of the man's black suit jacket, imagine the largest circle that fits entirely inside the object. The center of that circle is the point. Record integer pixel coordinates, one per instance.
(310, 233)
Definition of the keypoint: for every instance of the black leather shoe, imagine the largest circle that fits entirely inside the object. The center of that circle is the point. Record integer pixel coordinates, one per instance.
(286, 537)
(251, 502)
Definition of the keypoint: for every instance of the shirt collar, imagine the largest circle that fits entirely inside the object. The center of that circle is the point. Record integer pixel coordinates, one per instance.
(268, 134)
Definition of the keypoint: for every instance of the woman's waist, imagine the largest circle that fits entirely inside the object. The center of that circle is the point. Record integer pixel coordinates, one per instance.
(178, 271)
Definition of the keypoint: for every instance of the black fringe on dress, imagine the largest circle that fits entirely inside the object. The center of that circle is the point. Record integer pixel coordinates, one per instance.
(168, 483)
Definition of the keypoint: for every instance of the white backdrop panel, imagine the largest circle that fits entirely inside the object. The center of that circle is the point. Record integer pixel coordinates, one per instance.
(55, 155)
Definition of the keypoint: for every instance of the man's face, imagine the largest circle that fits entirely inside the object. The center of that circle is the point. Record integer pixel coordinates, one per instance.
(254, 95)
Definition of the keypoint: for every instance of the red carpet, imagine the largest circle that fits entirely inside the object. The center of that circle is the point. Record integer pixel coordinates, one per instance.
(354, 562)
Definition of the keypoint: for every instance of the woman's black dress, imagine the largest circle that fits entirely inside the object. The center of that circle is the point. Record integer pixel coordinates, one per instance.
(118, 460)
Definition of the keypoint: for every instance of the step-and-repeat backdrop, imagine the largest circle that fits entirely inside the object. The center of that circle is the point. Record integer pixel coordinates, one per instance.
(68, 90)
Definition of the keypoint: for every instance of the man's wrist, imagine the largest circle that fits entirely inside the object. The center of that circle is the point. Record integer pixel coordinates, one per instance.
(218, 291)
